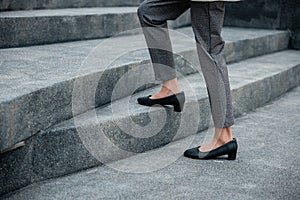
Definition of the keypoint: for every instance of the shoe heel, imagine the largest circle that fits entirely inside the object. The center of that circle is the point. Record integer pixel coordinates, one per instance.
(177, 108)
(231, 156)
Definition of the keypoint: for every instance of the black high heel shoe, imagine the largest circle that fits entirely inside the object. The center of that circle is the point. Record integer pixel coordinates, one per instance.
(176, 100)
(229, 149)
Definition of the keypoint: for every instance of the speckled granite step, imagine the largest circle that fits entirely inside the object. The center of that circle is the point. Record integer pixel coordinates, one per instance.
(37, 83)
(262, 170)
(25, 28)
(68, 147)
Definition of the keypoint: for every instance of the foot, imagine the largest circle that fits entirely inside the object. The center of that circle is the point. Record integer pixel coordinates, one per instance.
(221, 137)
(164, 92)
(212, 145)
(168, 88)
(229, 149)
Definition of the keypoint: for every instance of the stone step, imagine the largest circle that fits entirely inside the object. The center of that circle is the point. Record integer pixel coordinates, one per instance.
(54, 4)
(50, 75)
(25, 28)
(124, 128)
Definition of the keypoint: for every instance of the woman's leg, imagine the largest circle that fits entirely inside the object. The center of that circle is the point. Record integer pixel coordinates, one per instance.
(153, 15)
(207, 22)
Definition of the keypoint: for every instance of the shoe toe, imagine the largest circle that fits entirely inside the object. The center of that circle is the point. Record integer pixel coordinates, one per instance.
(140, 100)
(192, 153)
(144, 100)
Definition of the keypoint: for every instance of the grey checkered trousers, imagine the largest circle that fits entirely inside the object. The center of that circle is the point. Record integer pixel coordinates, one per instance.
(207, 21)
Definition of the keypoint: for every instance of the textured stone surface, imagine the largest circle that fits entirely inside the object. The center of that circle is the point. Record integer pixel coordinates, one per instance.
(6, 5)
(256, 13)
(291, 14)
(275, 14)
(26, 165)
(24, 28)
(266, 167)
(60, 150)
(48, 73)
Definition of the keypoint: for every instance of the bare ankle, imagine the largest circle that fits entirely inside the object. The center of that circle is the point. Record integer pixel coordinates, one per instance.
(223, 140)
(223, 135)
(172, 86)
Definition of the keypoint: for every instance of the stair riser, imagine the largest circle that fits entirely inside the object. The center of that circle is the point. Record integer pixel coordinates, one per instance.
(238, 51)
(26, 31)
(250, 97)
(54, 4)
(39, 110)
(59, 151)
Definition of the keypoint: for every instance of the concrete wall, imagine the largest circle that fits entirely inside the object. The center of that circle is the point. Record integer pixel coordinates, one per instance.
(273, 14)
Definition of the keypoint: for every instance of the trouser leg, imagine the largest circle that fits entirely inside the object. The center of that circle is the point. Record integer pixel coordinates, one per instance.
(153, 15)
(207, 22)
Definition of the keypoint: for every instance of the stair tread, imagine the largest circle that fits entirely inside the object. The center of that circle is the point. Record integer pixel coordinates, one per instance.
(42, 66)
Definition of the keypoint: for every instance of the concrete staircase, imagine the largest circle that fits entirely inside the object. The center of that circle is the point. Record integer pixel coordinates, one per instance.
(52, 91)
